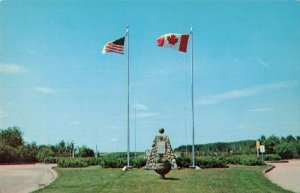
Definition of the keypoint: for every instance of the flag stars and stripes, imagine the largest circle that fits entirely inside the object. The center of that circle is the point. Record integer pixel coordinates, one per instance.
(116, 46)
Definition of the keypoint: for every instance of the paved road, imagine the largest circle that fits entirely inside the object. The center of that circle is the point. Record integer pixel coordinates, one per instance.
(286, 175)
(25, 178)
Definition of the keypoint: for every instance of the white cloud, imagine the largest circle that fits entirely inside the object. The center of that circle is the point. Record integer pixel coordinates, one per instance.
(262, 109)
(262, 62)
(114, 139)
(145, 111)
(2, 114)
(45, 90)
(247, 92)
(31, 52)
(146, 115)
(12, 68)
(139, 106)
(75, 123)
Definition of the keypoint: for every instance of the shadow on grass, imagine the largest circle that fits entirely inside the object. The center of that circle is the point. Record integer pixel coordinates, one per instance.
(171, 178)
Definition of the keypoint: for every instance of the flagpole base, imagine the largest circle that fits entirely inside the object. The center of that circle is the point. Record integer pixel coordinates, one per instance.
(126, 168)
(195, 167)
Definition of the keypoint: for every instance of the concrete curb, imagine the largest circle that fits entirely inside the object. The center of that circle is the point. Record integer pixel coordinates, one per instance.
(53, 178)
(269, 169)
(54, 173)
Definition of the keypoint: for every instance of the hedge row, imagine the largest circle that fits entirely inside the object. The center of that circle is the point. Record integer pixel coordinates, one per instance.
(211, 162)
(119, 162)
(219, 161)
(272, 157)
(77, 162)
(105, 162)
(247, 160)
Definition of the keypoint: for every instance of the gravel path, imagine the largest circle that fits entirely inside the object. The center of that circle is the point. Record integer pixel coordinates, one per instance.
(25, 178)
(286, 175)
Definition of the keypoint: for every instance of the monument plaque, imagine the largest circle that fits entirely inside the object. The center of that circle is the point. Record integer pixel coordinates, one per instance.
(161, 147)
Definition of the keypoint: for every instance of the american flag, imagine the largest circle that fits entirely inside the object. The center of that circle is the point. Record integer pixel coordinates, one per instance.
(116, 46)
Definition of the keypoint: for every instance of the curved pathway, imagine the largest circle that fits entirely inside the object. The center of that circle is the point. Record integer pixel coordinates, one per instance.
(286, 175)
(25, 178)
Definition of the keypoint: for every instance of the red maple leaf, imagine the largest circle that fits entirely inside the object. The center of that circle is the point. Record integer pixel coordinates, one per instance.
(172, 39)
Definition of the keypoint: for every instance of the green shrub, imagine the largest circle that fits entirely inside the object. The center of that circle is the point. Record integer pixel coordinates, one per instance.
(272, 157)
(109, 162)
(183, 162)
(86, 152)
(8, 154)
(119, 160)
(116, 160)
(92, 161)
(71, 163)
(52, 160)
(44, 153)
(211, 162)
(12, 136)
(287, 150)
(247, 160)
(233, 159)
(139, 162)
(77, 162)
(250, 160)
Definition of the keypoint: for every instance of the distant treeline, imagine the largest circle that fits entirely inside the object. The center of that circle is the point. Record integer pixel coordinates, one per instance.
(286, 147)
(238, 147)
(13, 148)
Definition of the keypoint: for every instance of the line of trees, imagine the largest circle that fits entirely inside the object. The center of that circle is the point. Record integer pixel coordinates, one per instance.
(13, 148)
(238, 147)
(285, 147)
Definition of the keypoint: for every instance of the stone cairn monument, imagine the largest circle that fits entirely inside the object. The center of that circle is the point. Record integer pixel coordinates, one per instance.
(161, 158)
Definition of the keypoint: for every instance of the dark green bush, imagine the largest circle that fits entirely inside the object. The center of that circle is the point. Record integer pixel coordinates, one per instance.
(203, 162)
(8, 154)
(109, 162)
(288, 150)
(44, 153)
(211, 162)
(92, 161)
(272, 157)
(86, 152)
(53, 160)
(27, 153)
(233, 159)
(119, 160)
(77, 162)
(251, 160)
(183, 162)
(247, 160)
(72, 163)
(139, 162)
(12, 136)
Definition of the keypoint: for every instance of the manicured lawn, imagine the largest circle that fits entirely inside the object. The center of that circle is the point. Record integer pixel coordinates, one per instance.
(94, 179)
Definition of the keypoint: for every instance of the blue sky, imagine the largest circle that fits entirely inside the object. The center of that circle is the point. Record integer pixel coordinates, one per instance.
(55, 84)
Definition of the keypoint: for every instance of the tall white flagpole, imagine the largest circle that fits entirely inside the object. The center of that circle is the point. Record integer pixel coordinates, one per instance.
(193, 121)
(128, 128)
(135, 135)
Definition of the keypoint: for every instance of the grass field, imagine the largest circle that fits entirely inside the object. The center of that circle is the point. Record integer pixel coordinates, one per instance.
(94, 179)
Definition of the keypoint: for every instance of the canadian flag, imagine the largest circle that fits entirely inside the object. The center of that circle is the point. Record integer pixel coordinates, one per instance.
(175, 41)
